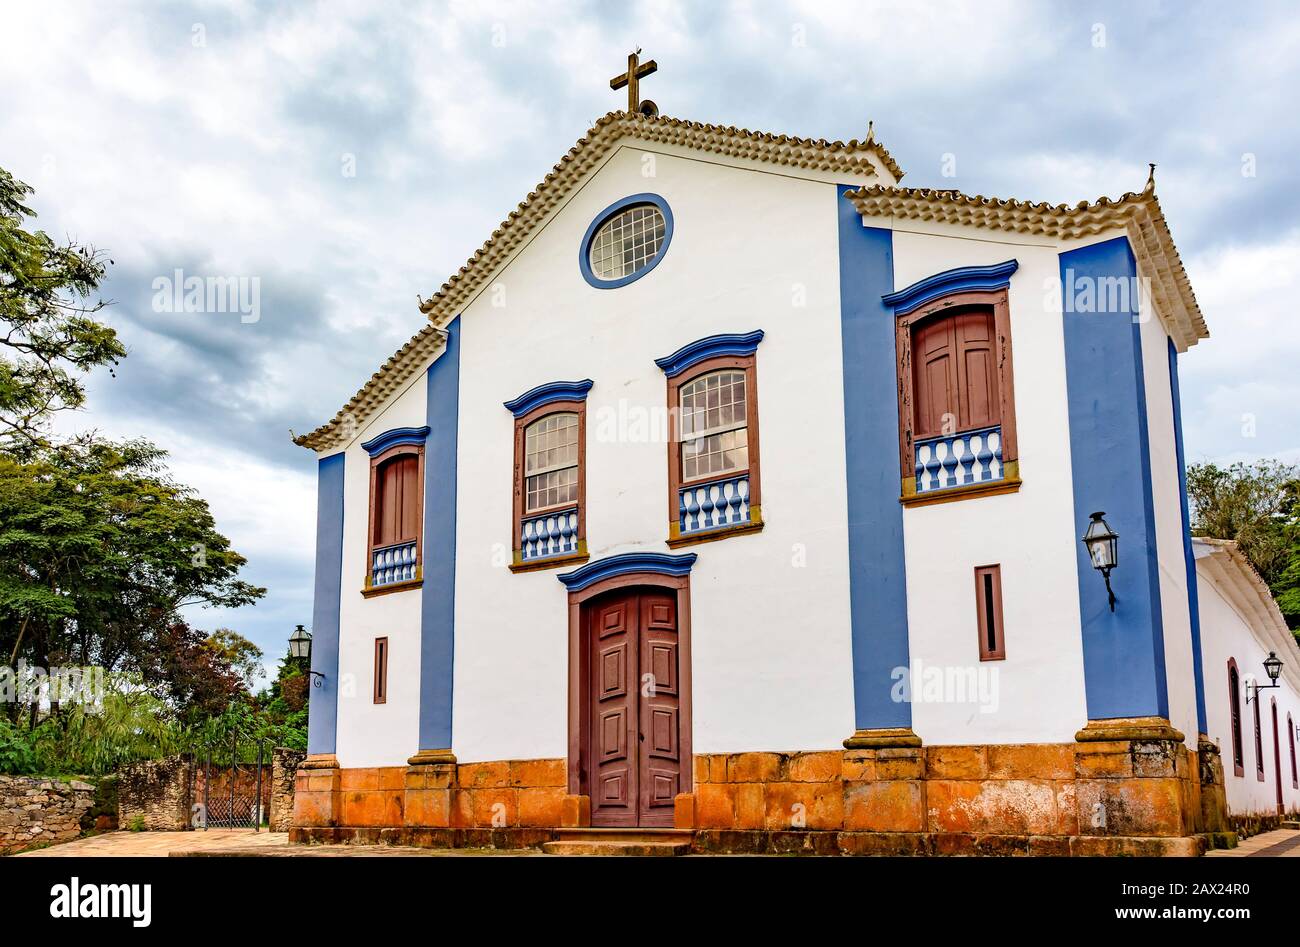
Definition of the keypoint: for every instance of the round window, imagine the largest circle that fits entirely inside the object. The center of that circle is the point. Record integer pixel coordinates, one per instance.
(626, 241)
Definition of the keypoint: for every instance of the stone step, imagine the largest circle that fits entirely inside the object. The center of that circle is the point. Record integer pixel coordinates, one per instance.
(599, 847)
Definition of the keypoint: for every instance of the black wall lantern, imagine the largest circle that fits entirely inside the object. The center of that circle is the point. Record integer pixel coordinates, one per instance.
(300, 648)
(1273, 668)
(1103, 549)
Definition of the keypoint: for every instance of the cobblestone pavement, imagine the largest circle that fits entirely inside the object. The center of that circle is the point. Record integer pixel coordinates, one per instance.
(162, 844)
(1283, 843)
(229, 842)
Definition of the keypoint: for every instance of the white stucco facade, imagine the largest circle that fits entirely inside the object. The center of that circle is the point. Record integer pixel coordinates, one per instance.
(772, 647)
(371, 734)
(1038, 694)
(769, 612)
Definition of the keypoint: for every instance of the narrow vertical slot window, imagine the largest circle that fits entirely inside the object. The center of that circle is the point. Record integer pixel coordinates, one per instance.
(988, 606)
(381, 670)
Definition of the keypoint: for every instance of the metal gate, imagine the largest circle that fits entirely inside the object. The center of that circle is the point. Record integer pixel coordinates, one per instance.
(230, 786)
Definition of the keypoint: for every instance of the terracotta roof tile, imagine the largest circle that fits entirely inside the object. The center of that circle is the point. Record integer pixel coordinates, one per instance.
(849, 157)
(1137, 213)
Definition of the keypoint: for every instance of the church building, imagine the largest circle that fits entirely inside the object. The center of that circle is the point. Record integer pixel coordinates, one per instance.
(734, 496)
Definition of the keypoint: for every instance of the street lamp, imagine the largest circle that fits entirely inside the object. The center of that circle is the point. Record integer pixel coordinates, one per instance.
(300, 648)
(1273, 668)
(1102, 543)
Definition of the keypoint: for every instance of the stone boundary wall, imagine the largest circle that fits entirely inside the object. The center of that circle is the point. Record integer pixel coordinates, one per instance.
(35, 811)
(284, 767)
(155, 795)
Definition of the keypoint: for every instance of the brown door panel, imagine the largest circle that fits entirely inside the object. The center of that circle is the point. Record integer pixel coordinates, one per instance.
(634, 708)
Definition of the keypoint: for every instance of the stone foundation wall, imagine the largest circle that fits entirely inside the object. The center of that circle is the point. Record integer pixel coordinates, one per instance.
(1041, 798)
(34, 811)
(1246, 825)
(1100, 797)
(495, 795)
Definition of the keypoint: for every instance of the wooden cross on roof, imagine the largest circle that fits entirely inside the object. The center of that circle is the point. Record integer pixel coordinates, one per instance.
(636, 70)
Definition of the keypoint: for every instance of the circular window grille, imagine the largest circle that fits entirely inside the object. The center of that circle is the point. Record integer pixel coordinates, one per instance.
(627, 243)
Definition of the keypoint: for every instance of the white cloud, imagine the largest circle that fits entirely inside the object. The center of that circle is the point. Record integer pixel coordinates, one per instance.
(228, 156)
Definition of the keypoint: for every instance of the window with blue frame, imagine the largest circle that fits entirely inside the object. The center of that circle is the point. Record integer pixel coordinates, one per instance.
(626, 241)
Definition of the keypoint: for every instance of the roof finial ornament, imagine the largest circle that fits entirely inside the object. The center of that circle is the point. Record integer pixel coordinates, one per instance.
(636, 70)
(1151, 179)
(871, 130)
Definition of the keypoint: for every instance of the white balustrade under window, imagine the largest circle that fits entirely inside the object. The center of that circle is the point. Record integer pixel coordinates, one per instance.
(959, 460)
(391, 564)
(549, 534)
(713, 505)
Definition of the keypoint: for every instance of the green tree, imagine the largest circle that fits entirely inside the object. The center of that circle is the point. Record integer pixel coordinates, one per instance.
(49, 337)
(235, 651)
(99, 550)
(1258, 505)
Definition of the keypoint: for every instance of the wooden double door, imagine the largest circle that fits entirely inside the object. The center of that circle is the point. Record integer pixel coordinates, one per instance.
(633, 759)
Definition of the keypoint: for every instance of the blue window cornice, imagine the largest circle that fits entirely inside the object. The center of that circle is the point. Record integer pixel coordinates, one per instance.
(550, 392)
(659, 563)
(584, 249)
(710, 347)
(398, 435)
(963, 279)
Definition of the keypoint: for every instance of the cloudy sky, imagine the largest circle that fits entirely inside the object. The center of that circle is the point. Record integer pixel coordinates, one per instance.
(352, 155)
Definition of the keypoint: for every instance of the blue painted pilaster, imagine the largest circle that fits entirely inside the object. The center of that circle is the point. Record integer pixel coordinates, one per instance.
(877, 580)
(322, 717)
(1123, 650)
(438, 593)
(1193, 598)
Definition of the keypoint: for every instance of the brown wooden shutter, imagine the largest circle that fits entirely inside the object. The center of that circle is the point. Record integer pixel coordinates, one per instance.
(977, 375)
(955, 372)
(397, 508)
(935, 370)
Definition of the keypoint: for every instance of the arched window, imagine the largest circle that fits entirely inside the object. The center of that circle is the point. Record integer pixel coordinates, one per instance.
(396, 518)
(713, 469)
(1234, 718)
(397, 500)
(551, 462)
(549, 521)
(714, 425)
(957, 419)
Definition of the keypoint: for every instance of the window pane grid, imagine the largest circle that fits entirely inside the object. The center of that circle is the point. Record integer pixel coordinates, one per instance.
(551, 443)
(551, 461)
(713, 404)
(627, 243)
(714, 425)
(552, 489)
(715, 454)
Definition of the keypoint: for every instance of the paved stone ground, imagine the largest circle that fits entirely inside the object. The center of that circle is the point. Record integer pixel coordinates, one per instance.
(162, 844)
(1283, 843)
(228, 842)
